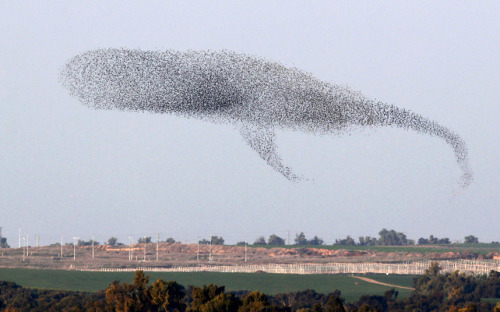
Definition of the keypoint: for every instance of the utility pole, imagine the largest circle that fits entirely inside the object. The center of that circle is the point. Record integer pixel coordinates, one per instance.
(198, 252)
(157, 245)
(92, 245)
(210, 256)
(74, 247)
(130, 248)
(37, 241)
(24, 238)
(288, 237)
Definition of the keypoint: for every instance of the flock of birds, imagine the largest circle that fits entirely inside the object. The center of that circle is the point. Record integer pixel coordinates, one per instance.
(257, 96)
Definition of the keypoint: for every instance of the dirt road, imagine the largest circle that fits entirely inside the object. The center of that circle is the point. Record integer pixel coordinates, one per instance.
(369, 280)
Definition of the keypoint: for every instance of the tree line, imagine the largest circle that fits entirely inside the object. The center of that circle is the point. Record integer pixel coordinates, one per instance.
(393, 238)
(386, 238)
(434, 291)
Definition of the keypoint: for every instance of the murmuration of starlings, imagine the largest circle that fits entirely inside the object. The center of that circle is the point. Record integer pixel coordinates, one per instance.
(257, 96)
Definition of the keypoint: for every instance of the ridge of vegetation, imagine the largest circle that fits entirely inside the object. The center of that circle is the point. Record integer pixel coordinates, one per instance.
(434, 291)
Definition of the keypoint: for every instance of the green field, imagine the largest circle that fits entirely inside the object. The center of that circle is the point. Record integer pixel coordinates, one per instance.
(350, 287)
(479, 248)
(491, 300)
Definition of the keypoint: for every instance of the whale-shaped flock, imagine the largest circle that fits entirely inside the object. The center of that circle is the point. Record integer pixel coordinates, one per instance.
(256, 95)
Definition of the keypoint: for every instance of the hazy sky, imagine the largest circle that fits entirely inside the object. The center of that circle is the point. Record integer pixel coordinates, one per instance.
(67, 169)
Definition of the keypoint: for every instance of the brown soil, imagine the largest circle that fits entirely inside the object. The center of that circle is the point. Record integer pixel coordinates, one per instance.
(187, 255)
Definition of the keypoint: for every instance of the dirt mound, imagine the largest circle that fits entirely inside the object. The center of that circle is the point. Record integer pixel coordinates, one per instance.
(287, 255)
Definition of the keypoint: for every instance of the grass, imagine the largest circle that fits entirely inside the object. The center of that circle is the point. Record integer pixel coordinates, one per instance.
(479, 248)
(351, 288)
(491, 300)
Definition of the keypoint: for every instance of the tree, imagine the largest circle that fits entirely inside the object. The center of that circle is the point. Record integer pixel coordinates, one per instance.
(315, 241)
(112, 241)
(423, 241)
(391, 294)
(367, 241)
(334, 304)
(300, 239)
(433, 241)
(204, 294)
(3, 243)
(87, 243)
(301, 300)
(130, 297)
(144, 240)
(216, 240)
(471, 239)
(260, 241)
(212, 299)
(371, 303)
(167, 295)
(170, 240)
(255, 301)
(392, 238)
(444, 241)
(433, 269)
(221, 303)
(348, 241)
(497, 307)
(275, 240)
(241, 243)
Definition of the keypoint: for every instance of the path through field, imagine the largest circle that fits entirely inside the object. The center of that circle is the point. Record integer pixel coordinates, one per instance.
(369, 280)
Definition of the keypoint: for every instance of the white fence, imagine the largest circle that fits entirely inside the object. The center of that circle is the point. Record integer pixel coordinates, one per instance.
(467, 266)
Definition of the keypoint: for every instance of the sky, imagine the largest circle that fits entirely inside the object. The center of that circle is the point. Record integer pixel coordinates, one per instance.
(69, 170)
